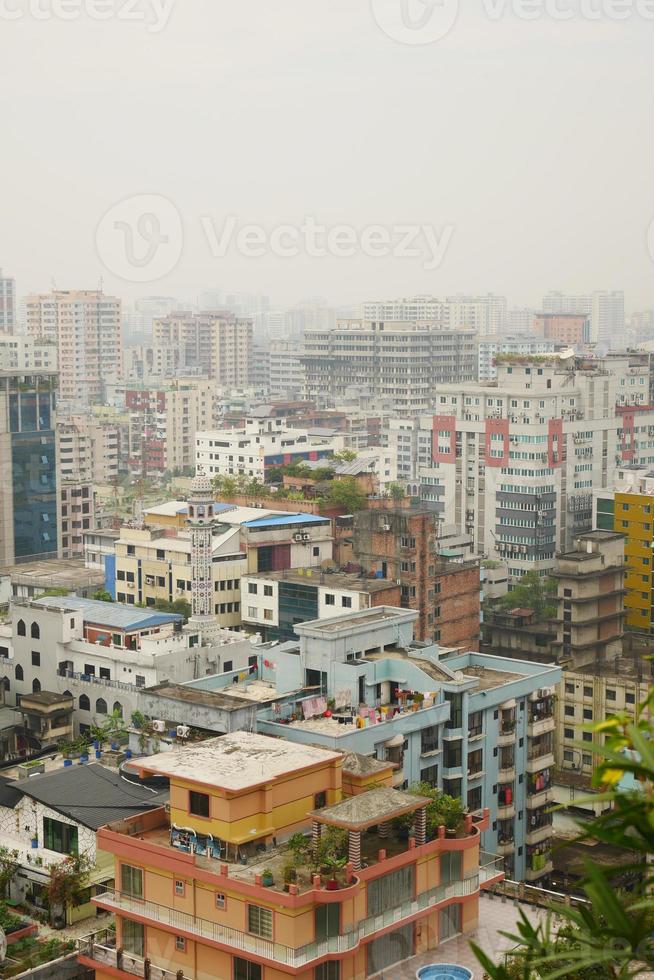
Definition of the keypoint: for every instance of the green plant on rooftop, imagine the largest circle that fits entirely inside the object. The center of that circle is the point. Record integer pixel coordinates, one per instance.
(612, 936)
(330, 855)
(533, 592)
(179, 606)
(60, 590)
(345, 456)
(9, 865)
(396, 491)
(345, 494)
(102, 595)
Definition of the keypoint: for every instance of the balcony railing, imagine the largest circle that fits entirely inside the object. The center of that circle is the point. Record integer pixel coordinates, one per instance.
(303, 955)
(107, 955)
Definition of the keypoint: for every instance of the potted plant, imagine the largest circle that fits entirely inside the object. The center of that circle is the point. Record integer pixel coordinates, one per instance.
(267, 879)
(289, 872)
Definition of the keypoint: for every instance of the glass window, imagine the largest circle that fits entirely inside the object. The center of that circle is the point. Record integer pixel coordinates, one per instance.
(59, 837)
(260, 921)
(328, 971)
(198, 804)
(131, 880)
(244, 970)
(133, 937)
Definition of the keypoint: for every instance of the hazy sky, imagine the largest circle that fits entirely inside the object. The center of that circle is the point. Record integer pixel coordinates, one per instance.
(530, 140)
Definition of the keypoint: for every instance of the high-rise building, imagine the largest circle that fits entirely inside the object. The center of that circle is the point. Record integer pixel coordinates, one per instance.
(286, 369)
(514, 462)
(482, 314)
(7, 304)
(402, 361)
(407, 309)
(572, 329)
(28, 502)
(217, 343)
(605, 309)
(86, 326)
(88, 449)
(18, 353)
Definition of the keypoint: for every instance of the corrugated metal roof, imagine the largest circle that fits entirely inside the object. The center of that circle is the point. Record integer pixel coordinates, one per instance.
(110, 614)
(281, 520)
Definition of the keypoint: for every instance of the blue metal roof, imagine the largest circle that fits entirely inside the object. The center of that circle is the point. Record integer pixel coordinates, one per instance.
(283, 520)
(113, 615)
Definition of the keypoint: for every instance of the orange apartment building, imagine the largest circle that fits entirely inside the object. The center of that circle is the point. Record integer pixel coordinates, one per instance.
(203, 889)
(566, 328)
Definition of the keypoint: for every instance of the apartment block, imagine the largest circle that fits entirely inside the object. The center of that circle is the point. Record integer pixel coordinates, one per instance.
(163, 422)
(401, 545)
(484, 315)
(627, 508)
(88, 449)
(260, 444)
(477, 727)
(26, 353)
(7, 304)
(571, 329)
(154, 363)
(86, 327)
(590, 599)
(187, 905)
(605, 309)
(275, 602)
(489, 347)
(28, 503)
(217, 343)
(76, 515)
(287, 378)
(514, 462)
(403, 361)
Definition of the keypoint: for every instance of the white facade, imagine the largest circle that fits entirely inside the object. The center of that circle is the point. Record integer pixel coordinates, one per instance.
(514, 462)
(485, 315)
(263, 443)
(489, 347)
(7, 304)
(286, 369)
(25, 353)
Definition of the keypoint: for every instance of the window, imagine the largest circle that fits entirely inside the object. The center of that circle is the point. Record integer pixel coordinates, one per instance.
(630, 698)
(59, 837)
(252, 588)
(252, 612)
(133, 937)
(36, 658)
(260, 921)
(570, 710)
(346, 601)
(330, 599)
(180, 886)
(101, 706)
(569, 689)
(610, 695)
(20, 628)
(198, 804)
(588, 692)
(587, 736)
(316, 551)
(588, 714)
(139, 680)
(568, 733)
(131, 880)
(36, 686)
(244, 970)
(268, 590)
(180, 944)
(268, 615)
(328, 971)
(84, 703)
(35, 632)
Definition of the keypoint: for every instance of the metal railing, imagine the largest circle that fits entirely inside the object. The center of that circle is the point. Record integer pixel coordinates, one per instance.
(278, 952)
(104, 953)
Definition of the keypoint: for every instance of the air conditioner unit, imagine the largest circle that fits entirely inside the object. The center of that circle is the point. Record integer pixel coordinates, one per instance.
(386, 527)
(297, 537)
(306, 537)
(159, 726)
(183, 731)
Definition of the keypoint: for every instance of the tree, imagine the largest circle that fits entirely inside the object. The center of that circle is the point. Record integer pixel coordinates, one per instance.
(9, 865)
(103, 596)
(532, 592)
(68, 881)
(612, 936)
(346, 494)
(226, 486)
(345, 456)
(179, 606)
(396, 491)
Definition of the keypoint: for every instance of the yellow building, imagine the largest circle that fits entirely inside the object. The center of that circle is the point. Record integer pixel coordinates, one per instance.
(214, 889)
(155, 563)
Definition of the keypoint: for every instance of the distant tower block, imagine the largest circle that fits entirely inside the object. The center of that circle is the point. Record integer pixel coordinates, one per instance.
(200, 522)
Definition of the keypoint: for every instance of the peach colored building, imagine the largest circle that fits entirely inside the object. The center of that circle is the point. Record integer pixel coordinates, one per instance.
(205, 888)
(566, 328)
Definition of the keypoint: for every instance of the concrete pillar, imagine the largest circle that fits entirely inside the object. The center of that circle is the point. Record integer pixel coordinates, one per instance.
(384, 829)
(354, 849)
(316, 831)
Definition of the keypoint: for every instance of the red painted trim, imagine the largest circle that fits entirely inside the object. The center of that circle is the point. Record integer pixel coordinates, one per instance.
(443, 423)
(14, 937)
(496, 427)
(627, 448)
(555, 444)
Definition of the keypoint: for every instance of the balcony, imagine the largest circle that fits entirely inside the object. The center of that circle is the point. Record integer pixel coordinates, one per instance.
(506, 847)
(539, 871)
(539, 762)
(506, 775)
(540, 726)
(98, 949)
(537, 800)
(277, 953)
(507, 735)
(536, 835)
(506, 812)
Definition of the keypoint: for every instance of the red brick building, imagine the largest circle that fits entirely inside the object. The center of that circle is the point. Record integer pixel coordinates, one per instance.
(400, 544)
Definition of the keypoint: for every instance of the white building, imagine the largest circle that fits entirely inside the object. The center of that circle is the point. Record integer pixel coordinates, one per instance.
(400, 360)
(260, 445)
(489, 347)
(514, 462)
(103, 653)
(606, 311)
(25, 353)
(286, 369)
(485, 315)
(7, 304)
